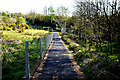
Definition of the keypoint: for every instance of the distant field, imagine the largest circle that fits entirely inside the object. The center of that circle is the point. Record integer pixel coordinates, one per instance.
(27, 34)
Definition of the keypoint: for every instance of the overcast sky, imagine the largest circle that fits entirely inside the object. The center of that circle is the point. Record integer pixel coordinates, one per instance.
(24, 6)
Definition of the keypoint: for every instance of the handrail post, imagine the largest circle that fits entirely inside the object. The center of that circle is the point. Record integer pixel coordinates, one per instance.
(40, 48)
(26, 59)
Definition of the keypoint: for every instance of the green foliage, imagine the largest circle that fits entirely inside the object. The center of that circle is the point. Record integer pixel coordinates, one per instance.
(27, 34)
(27, 27)
(12, 20)
(20, 20)
(58, 29)
(9, 29)
(23, 29)
(4, 28)
(72, 46)
(4, 14)
(13, 26)
(13, 61)
(95, 64)
(14, 52)
(19, 27)
(5, 18)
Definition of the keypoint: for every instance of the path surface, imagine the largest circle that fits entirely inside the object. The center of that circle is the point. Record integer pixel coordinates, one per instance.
(58, 65)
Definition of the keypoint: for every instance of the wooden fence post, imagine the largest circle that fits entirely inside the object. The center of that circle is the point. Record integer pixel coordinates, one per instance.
(26, 59)
(40, 48)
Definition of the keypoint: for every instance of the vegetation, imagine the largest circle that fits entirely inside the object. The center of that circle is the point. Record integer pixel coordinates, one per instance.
(14, 52)
(95, 64)
(53, 17)
(14, 34)
(21, 20)
(96, 30)
(92, 34)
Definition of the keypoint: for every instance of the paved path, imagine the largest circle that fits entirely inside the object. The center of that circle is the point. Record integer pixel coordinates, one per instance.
(58, 65)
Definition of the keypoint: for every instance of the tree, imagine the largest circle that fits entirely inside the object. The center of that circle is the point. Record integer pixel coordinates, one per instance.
(51, 13)
(4, 14)
(61, 21)
(12, 20)
(32, 15)
(5, 19)
(45, 10)
(21, 20)
(61, 17)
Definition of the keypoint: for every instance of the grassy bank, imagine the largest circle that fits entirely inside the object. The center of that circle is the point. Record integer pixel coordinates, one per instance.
(96, 64)
(13, 50)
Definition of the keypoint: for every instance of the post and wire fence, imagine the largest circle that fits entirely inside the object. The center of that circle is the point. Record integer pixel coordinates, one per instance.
(35, 55)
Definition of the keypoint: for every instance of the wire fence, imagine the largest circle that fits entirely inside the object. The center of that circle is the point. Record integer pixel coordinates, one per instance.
(36, 54)
(22, 58)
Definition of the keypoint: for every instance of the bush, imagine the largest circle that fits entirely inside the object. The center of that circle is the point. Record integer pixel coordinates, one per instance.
(14, 28)
(0, 28)
(71, 36)
(18, 30)
(5, 19)
(4, 28)
(9, 29)
(19, 26)
(4, 24)
(7, 24)
(12, 25)
(58, 29)
(79, 56)
(22, 29)
(22, 25)
(21, 20)
(26, 27)
(72, 46)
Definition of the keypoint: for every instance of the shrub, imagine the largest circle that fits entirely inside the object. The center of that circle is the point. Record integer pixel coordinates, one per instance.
(7, 24)
(21, 20)
(19, 26)
(68, 40)
(5, 19)
(12, 25)
(4, 28)
(14, 28)
(9, 29)
(18, 30)
(22, 25)
(71, 36)
(58, 29)
(0, 28)
(12, 20)
(72, 46)
(26, 27)
(22, 29)
(4, 24)
(79, 56)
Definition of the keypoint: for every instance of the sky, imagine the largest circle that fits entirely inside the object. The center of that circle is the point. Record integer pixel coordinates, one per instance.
(25, 6)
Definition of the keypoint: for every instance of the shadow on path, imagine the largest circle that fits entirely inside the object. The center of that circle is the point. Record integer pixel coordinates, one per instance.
(58, 65)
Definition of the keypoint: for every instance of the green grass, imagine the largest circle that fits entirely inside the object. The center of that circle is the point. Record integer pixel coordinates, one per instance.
(94, 61)
(14, 53)
(28, 34)
(58, 29)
